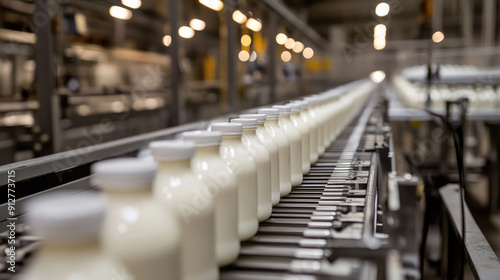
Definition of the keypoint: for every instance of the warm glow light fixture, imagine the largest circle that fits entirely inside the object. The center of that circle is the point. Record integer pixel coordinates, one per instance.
(298, 47)
(197, 24)
(286, 56)
(377, 76)
(281, 38)
(382, 9)
(437, 37)
(254, 24)
(290, 42)
(133, 4)
(246, 40)
(167, 40)
(120, 12)
(186, 32)
(308, 53)
(215, 5)
(379, 30)
(239, 17)
(243, 55)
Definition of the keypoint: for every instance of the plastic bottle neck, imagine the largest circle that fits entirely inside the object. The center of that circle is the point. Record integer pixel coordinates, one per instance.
(231, 138)
(174, 165)
(249, 131)
(207, 150)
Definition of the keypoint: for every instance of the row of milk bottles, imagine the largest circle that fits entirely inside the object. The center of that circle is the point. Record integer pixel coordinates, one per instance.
(481, 97)
(183, 215)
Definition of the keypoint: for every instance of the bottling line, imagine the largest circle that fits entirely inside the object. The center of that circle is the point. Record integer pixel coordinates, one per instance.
(352, 217)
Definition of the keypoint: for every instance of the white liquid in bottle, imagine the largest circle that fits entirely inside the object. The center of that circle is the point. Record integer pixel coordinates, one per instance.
(220, 182)
(262, 161)
(304, 133)
(272, 149)
(237, 158)
(69, 225)
(283, 144)
(313, 130)
(313, 112)
(140, 232)
(177, 187)
(295, 140)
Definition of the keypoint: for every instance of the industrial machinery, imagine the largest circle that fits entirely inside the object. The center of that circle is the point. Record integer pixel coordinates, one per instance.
(353, 216)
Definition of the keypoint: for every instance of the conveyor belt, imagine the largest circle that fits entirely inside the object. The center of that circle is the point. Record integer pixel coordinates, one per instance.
(334, 203)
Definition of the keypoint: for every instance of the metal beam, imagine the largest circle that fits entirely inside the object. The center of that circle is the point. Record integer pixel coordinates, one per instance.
(231, 45)
(174, 7)
(271, 55)
(489, 22)
(279, 7)
(467, 21)
(44, 73)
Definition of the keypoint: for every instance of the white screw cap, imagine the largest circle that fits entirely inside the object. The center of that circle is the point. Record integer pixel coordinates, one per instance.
(295, 107)
(261, 118)
(66, 217)
(170, 150)
(247, 123)
(123, 174)
(227, 128)
(270, 112)
(202, 138)
(284, 109)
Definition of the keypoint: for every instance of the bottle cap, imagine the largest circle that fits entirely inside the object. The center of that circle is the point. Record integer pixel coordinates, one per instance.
(270, 112)
(227, 128)
(284, 109)
(123, 174)
(65, 216)
(202, 138)
(302, 104)
(261, 118)
(295, 107)
(170, 150)
(247, 123)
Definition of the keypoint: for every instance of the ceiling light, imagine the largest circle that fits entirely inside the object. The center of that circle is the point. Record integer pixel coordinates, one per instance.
(437, 37)
(308, 53)
(254, 24)
(286, 56)
(215, 5)
(120, 12)
(246, 40)
(382, 9)
(167, 40)
(379, 30)
(379, 43)
(197, 24)
(133, 4)
(377, 76)
(253, 56)
(239, 17)
(290, 42)
(243, 55)
(281, 38)
(298, 47)
(186, 32)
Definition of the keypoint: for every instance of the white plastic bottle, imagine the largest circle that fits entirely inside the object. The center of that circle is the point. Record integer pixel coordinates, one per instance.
(220, 184)
(295, 140)
(283, 144)
(262, 161)
(313, 112)
(138, 231)
(69, 225)
(313, 130)
(177, 187)
(272, 149)
(301, 127)
(237, 158)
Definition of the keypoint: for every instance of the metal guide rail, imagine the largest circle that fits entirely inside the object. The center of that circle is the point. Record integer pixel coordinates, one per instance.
(335, 224)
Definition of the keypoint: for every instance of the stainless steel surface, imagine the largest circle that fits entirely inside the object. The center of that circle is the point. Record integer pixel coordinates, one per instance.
(480, 257)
